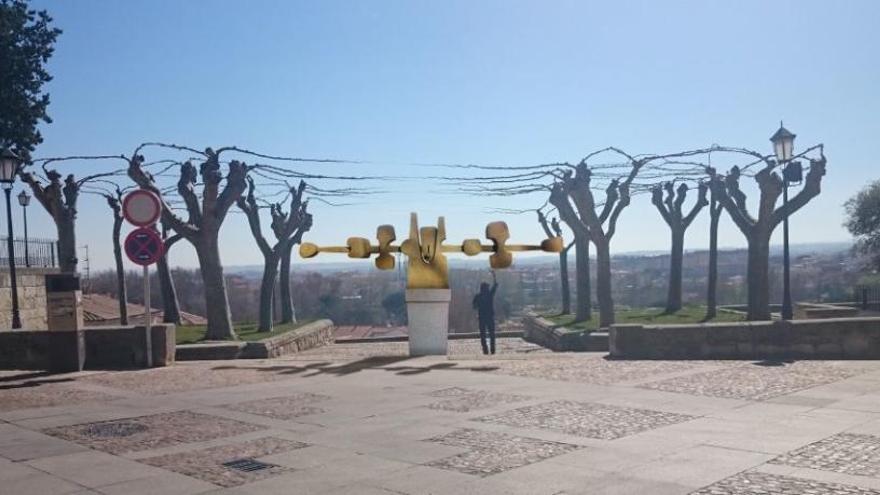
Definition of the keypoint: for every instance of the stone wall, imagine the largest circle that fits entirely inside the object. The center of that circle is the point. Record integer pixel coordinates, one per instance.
(308, 336)
(837, 338)
(31, 297)
(543, 332)
(100, 348)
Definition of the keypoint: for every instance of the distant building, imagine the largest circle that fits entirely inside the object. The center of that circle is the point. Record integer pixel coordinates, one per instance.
(103, 310)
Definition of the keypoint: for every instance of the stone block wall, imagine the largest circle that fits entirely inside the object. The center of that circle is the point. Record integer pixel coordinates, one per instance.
(31, 297)
(833, 338)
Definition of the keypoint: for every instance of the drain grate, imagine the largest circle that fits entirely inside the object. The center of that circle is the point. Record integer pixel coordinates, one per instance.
(248, 465)
(113, 430)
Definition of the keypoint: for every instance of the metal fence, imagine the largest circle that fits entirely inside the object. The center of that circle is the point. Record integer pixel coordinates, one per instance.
(868, 296)
(38, 253)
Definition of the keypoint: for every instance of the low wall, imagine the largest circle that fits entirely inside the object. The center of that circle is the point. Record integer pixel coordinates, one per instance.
(91, 348)
(544, 333)
(818, 311)
(837, 338)
(308, 336)
(31, 297)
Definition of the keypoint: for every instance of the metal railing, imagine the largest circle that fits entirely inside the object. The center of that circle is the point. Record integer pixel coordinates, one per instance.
(868, 296)
(37, 253)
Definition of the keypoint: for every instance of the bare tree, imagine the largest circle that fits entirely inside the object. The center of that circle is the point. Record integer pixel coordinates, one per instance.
(114, 201)
(715, 210)
(599, 226)
(285, 227)
(170, 303)
(671, 209)
(759, 230)
(59, 200)
(553, 229)
(202, 227)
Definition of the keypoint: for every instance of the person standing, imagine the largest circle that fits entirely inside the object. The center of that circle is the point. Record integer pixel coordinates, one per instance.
(484, 303)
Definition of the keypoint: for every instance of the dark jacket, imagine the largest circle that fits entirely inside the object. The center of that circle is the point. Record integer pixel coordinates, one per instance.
(484, 301)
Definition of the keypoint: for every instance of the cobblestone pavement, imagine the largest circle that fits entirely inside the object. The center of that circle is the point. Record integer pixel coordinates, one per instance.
(365, 419)
(289, 407)
(594, 369)
(844, 453)
(493, 453)
(586, 420)
(755, 381)
(207, 464)
(771, 484)
(150, 432)
(460, 399)
(30, 394)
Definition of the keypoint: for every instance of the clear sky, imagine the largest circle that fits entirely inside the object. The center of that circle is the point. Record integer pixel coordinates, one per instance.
(488, 82)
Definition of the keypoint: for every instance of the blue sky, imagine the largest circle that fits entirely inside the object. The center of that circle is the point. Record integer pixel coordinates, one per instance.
(488, 82)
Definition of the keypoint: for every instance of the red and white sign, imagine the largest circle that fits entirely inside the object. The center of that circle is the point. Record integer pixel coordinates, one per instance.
(141, 208)
(143, 246)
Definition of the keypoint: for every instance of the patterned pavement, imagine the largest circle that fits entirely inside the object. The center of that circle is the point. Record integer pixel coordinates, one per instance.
(366, 419)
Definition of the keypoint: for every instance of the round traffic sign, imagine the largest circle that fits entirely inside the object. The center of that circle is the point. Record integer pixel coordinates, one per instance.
(141, 207)
(143, 246)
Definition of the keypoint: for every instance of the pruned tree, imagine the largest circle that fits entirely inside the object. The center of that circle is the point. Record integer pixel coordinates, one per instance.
(596, 222)
(288, 311)
(59, 199)
(715, 210)
(671, 208)
(114, 201)
(170, 303)
(285, 226)
(205, 215)
(553, 229)
(759, 230)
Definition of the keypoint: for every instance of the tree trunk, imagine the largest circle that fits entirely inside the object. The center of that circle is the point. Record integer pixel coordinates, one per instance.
(603, 283)
(170, 304)
(267, 292)
(676, 258)
(121, 290)
(563, 274)
(758, 277)
(288, 313)
(584, 310)
(712, 289)
(216, 303)
(66, 244)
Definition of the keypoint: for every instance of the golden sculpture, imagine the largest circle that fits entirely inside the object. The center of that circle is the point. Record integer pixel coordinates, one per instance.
(427, 265)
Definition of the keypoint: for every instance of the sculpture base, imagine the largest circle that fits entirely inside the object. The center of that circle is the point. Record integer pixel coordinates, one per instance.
(428, 314)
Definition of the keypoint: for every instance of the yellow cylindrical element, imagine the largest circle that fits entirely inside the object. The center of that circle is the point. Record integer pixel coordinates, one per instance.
(358, 247)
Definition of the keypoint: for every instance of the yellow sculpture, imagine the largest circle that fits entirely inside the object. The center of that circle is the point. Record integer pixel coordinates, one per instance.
(427, 265)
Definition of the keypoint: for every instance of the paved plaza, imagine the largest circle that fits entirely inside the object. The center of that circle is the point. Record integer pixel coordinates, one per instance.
(367, 419)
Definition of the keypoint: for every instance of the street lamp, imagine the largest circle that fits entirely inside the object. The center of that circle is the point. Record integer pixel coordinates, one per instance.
(783, 144)
(24, 200)
(9, 166)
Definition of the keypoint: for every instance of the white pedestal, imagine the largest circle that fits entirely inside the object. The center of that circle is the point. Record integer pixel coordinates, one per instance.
(428, 314)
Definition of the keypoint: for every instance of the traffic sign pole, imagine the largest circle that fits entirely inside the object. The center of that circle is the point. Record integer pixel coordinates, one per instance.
(148, 312)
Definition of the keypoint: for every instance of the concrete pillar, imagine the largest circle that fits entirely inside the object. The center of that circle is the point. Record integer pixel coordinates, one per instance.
(64, 312)
(428, 314)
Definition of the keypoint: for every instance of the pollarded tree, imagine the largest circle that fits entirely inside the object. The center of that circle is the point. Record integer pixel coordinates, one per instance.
(170, 303)
(114, 201)
(759, 230)
(285, 227)
(715, 210)
(206, 213)
(671, 209)
(599, 226)
(553, 229)
(288, 311)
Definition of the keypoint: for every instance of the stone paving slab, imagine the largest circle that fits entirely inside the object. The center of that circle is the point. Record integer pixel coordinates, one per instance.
(41, 393)
(585, 419)
(595, 369)
(207, 464)
(151, 432)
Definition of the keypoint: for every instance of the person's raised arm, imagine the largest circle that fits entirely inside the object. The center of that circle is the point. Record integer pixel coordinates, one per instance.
(494, 283)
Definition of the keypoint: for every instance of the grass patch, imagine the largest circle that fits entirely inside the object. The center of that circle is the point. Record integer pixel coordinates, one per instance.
(193, 334)
(656, 316)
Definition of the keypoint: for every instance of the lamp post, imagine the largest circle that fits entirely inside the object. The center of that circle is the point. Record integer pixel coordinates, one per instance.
(783, 144)
(24, 200)
(9, 165)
